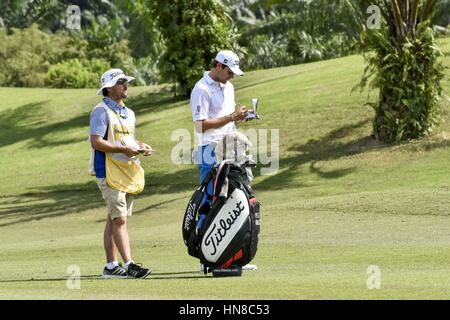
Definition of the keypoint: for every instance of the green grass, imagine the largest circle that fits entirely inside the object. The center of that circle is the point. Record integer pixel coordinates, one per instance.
(339, 203)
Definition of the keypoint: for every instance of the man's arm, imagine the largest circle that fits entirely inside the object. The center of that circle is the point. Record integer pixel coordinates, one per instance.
(204, 125)
(98, 143)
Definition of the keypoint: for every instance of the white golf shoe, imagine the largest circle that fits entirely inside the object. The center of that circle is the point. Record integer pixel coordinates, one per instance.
(250, 267)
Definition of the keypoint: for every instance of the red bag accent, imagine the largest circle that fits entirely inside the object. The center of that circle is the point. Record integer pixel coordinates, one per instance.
(237, 256)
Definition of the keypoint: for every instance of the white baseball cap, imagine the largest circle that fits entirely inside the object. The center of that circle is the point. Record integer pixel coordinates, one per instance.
(110, 77)
(230, 59)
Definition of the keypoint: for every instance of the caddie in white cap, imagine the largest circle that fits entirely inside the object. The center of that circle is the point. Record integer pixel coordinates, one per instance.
(119, 175)
(109, 79)
(214, 113)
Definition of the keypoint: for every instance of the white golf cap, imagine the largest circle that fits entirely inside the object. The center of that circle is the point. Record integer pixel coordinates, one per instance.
(110, 77)
(230, 59)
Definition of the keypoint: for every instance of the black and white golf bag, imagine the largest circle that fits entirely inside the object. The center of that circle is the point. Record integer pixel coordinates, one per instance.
(225, 234)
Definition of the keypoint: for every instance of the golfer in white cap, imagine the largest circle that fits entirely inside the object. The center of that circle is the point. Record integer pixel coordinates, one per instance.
(214, 114)
(116, 166)
(214, 108)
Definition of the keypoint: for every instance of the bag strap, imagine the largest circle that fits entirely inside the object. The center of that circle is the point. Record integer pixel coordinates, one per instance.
(124, 128)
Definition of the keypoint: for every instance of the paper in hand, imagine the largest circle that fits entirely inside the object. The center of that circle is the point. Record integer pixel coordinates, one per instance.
(131, 142)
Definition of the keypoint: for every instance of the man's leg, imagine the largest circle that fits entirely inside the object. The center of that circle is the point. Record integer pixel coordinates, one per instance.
(121, 239)
(112, 268)
(108, 240)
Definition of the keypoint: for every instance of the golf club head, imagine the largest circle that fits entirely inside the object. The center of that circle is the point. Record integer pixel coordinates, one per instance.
(255, 103)
(254, 114)
(255, 107)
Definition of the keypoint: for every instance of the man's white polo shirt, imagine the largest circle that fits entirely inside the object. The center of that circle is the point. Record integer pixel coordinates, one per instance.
(210, 100)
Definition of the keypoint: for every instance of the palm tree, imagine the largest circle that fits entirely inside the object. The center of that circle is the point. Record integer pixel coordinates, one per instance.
(403, 61)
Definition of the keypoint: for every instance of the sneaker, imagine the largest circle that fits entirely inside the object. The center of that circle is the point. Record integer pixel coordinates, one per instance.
(137, 272)
(118, 272)
(250, 267)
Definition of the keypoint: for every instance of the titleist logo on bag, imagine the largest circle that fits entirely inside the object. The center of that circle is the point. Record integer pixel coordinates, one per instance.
(189, 215)
(223, 228)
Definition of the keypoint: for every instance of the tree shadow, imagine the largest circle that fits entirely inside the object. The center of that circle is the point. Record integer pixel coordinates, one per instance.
(266, 81)
(154, 101)
(66, 199)
(87, 277)
(49, 202)
(156, 205)
(152, 276)
(171, 182)
(323, 149)
(148, 208)
(28, 122)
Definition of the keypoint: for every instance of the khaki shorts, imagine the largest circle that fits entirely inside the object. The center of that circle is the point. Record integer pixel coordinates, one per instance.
(120, 204)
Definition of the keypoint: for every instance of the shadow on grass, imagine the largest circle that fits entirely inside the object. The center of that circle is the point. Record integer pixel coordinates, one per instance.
(156, 101)
(88, 277)
(171, 182)
(60, 200)
(49, 202)
(152, 276)
(324, 149)
(28, 122)
(65, 199)
(266, 81)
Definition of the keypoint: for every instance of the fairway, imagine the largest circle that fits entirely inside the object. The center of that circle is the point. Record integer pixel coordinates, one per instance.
(339, 203)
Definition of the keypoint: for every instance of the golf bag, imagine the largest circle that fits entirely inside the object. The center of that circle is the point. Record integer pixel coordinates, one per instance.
(225, 234)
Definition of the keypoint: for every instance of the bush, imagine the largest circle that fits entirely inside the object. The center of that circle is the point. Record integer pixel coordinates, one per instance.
(76, 74)
(32, 58)
(24, 57)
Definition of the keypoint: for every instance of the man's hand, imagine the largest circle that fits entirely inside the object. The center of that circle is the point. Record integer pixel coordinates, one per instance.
(147, 149)
(99, 144)
(130, 151)
(239, 114)
(205, 125)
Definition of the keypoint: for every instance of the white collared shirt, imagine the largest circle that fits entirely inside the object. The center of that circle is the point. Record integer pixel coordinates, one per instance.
(209, 100)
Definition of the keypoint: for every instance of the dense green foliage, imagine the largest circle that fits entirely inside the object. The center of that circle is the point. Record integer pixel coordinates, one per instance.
(409, 80)
(404, 64)
(442, 13)
(33, 58)
(174, 41)
(277, 33)
(193, 32)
